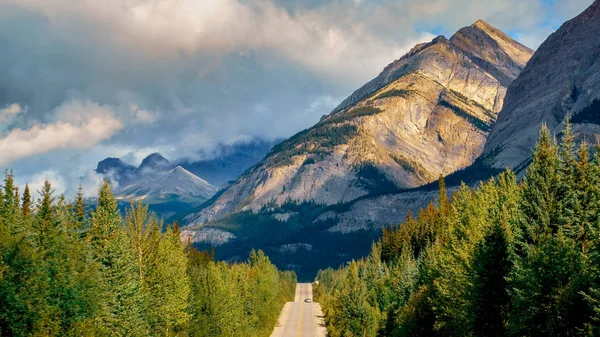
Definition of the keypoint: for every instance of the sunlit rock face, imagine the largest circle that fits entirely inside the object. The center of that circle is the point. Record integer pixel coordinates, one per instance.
(562, 78)
(426, 114)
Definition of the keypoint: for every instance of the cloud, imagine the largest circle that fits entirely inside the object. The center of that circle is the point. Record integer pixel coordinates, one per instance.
(83, 125)
(36, 182)
(127, 78)
(9, 114)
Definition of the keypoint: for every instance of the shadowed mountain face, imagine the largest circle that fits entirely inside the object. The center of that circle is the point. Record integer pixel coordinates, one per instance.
(427, 114)
(562, 78)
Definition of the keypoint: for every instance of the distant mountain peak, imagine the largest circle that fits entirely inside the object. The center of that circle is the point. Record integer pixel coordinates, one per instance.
(155, 161)
(113, 164)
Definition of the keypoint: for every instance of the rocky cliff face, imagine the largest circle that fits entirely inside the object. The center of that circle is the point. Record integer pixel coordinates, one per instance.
(563, 77)
(426, 114)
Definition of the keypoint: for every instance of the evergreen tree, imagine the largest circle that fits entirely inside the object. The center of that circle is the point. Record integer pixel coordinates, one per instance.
(489, 296)
(170, 286)
(355, 316)
(81, 221)
(26, 201)
(122, 297)
(544, 284)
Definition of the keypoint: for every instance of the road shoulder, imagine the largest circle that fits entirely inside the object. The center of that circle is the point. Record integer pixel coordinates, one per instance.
(283, 317)
(320, 326)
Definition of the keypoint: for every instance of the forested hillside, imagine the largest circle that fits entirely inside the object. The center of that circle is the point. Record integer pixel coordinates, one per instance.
(69, 271)
(505, 258)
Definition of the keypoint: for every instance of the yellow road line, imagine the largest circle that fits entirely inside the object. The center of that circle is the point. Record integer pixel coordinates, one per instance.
(301, 311)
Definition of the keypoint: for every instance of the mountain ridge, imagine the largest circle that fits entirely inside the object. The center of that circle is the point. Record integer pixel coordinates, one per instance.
(562, 78)
(426, 114)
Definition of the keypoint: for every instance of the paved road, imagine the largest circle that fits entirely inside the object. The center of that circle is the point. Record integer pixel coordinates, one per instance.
(301, 319)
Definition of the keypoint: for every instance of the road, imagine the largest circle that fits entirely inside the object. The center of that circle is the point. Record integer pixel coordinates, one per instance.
(298, 317)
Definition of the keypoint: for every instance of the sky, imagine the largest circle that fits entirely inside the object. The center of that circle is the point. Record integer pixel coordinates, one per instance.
(82, 80)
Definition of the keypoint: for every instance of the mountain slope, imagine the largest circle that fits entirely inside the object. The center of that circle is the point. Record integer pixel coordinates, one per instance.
(230, 161)
(177, 184)
(563, 77)
(426, 114)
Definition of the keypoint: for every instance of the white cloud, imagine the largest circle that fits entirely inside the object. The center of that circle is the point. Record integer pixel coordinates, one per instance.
(333, 40)
(141, 116)
(36, 182)
(9, 114)
(82, 125)
(11, 110)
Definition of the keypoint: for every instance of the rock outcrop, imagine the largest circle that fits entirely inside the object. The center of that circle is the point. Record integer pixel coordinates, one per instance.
(427, 114)
(562, 78)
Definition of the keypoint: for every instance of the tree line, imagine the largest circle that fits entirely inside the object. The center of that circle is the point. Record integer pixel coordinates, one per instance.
(69, 271)
(507, 258)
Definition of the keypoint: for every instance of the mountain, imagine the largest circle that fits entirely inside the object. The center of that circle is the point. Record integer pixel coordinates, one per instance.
(229, 161)
(177, 184)
(154, 164)
(562, 78)
(116, 169)
(156, 181)
(329, 189)
(427, 114)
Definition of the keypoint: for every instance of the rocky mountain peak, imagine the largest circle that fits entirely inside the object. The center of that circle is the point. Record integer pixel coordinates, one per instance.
(426, 114)
(491, 49)
(562, 78)
(155, 161)
(113, 164)
(483, 25)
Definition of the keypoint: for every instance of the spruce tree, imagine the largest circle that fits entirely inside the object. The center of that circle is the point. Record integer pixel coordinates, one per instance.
(170, 286)
(81, 221)
(26, 201)
(545, 287)
(355, 316)
(122, 297)
(489, 296)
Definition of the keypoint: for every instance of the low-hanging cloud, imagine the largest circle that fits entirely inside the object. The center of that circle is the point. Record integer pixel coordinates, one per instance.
(127, 78)
(77, 132)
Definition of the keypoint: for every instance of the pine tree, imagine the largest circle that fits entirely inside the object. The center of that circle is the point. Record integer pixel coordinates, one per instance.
(355, 316)
(122, 295)
(489, 296)
(143, 231)
(45, 219)
(170, 286)
(545, 287)
(81, 221)
(9, 207)
(443, 202)
(26, 201)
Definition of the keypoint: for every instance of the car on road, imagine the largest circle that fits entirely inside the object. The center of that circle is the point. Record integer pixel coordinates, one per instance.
(308, 300)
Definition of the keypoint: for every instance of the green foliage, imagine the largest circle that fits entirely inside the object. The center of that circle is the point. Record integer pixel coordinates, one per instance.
(497, 260)
(64, 273)
(374, 180)
(341, 117)
(589, 114)
(478, 123)
(395, 93)
(315, 140)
